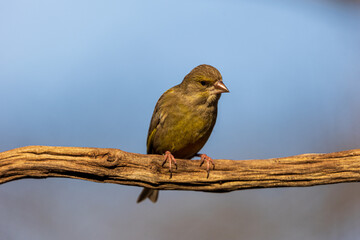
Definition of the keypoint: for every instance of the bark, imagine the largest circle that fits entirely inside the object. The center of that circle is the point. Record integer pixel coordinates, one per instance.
(116, 166)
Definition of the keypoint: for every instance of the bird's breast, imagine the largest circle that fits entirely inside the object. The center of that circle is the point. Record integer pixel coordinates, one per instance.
(184, 130)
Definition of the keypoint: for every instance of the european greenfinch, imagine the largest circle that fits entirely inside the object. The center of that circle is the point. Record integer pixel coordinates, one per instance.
(183, 120)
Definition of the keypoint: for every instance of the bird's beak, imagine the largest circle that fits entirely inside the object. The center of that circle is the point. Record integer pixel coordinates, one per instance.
(220, 87)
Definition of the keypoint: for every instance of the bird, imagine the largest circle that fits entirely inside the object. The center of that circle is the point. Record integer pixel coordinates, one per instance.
(183, 119)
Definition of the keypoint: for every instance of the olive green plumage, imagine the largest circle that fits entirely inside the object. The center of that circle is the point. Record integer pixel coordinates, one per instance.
(184, 117)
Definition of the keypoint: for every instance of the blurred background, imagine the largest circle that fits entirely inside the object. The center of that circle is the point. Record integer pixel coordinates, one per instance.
(88, 73)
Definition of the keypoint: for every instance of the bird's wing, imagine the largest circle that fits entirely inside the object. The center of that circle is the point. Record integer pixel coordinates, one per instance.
(158, 118)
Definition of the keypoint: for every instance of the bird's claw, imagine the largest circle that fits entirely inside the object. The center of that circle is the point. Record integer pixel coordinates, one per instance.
(169, 157)
(208, 160)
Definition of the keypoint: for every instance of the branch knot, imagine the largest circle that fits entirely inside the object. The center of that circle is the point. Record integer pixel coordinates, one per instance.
(111, 160)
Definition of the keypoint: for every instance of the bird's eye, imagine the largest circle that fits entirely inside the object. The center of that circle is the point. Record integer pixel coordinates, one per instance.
(203, 83)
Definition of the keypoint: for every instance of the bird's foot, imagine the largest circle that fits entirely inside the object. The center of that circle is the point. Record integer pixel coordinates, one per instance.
(169, 157)
(208, 160)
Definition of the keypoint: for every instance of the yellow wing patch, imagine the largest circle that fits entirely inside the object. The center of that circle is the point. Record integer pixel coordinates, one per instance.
(150, 139)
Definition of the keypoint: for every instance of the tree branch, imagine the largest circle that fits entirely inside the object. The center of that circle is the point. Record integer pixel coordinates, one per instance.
(116, 166)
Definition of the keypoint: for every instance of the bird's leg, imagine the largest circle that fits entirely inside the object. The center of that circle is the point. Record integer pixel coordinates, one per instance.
(169, 157)
(208, 160)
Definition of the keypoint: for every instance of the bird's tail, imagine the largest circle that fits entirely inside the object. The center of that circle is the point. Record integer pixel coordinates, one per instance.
(152, 194)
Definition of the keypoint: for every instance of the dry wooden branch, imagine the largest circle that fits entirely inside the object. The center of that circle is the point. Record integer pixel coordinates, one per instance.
(116, 166)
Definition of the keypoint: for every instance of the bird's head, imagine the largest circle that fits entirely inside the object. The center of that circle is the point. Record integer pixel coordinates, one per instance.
(205, 82)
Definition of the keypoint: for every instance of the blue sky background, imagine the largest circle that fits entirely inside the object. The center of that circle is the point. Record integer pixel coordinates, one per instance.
(88, 73)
